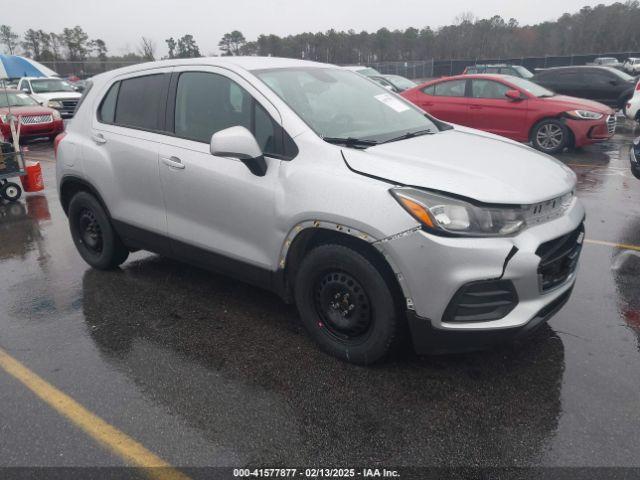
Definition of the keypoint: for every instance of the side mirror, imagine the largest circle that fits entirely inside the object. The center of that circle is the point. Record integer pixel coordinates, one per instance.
(513, 95)
(238, 142)
(26, 89)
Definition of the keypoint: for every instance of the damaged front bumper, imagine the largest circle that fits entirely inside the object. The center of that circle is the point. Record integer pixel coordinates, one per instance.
(467, 293)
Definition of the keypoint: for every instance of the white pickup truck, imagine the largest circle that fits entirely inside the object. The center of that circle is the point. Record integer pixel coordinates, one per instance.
(53, 93)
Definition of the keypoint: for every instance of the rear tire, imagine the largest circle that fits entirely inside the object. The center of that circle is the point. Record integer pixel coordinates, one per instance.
(550, 136)
(92, 232)
(346, 305)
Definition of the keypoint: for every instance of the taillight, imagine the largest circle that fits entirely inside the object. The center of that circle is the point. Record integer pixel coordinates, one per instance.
(57, 141)
(638, 86)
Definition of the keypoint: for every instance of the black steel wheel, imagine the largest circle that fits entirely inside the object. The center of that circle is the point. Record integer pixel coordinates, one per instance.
(92, 232)
(10, 191)
(343, 306)
(346, 304)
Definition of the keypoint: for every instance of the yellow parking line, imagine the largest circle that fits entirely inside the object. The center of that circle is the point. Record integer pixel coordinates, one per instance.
(118, 442)
(624, 246)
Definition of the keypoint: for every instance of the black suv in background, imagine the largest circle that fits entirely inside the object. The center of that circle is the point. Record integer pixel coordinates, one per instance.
(603, 84)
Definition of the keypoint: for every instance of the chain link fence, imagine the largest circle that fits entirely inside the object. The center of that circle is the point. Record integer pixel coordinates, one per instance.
(439, 68)
(418, 69)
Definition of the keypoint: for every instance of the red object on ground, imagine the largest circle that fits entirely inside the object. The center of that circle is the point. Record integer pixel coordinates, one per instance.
(453, 99)
(32, 181)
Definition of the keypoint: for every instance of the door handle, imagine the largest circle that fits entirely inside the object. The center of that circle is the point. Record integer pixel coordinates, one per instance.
(99, 139)
(173, 162)
(427, 104)
(475, 107)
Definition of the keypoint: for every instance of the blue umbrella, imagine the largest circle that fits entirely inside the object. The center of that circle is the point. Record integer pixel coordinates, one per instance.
(15, 66)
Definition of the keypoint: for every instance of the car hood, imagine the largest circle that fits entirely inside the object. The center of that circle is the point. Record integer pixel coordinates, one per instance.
(56, 95)
(468, 163)
(19, 111)
(574, 103)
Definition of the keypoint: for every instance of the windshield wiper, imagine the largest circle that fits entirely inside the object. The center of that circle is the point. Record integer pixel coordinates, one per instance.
(351, 142)
(404, 136)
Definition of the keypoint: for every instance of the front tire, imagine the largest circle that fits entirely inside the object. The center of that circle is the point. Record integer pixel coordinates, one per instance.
(550, 136)
(92, 232)
(347, 305)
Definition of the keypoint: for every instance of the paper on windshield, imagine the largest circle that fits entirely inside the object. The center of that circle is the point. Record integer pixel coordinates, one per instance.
(392, 102)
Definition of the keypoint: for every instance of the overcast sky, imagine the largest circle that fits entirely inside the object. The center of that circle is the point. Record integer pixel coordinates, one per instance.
(120, 23)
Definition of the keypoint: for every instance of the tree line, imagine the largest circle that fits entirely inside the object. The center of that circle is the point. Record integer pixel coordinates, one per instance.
(603, 28)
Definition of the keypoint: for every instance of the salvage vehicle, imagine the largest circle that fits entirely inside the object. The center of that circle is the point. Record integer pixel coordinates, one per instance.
(52, 93)
(503, 69)
(516, 108)
(632, 108)
(320, 185)
(35, 120)
(602, 84)
(607, 62)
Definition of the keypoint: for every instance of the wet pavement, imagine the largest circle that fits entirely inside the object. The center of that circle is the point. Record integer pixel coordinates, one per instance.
(203, 370)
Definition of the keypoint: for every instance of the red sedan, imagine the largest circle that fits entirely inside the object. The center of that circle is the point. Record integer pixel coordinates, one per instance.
(36, 120)
(516, 108)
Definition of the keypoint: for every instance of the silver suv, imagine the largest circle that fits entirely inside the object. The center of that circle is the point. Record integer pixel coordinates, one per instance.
(317, 183)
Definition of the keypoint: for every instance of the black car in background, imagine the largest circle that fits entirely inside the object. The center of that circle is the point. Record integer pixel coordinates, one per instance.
(603, 84)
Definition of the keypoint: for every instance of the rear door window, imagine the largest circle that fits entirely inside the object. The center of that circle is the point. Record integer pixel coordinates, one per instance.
(140, 101)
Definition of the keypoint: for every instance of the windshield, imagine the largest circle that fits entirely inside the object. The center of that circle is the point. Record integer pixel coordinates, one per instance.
(530, 87)
(524, 73)
(401, 82)
(621, 74)
(51, 85)
(12, 99)
(368, 72)
(342, 104)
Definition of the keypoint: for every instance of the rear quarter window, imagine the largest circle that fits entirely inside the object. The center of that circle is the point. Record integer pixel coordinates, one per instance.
(107, 110)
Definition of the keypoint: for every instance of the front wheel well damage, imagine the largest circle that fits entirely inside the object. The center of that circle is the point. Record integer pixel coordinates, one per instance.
(310, 238)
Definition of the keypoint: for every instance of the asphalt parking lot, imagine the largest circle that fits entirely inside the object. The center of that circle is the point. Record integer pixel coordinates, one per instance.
(200, 370)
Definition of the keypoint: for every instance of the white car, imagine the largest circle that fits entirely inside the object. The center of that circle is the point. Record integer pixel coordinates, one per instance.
(632, 66)
(52, 92)
(632, 108)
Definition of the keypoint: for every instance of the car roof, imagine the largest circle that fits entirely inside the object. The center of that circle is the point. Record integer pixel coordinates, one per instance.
(485, 65)
(244, 63)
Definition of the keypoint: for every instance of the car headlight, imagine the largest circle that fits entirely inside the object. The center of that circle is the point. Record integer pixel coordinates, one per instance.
(54, 104)
(56, 115)
(584, 115)
(446, 215)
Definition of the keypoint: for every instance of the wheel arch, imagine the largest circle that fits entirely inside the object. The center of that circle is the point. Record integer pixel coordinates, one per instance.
(306, 236)
(72, 184)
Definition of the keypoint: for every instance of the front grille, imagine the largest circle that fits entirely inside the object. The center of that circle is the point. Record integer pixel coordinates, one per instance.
(35, 119)
(559, 259)
(482, 301)
(611, 124)
(69, 103)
